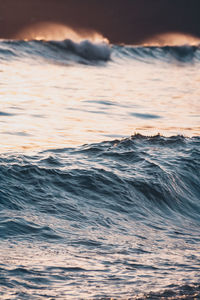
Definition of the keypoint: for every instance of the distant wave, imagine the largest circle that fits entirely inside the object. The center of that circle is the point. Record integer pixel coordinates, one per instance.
(87, 52)
(65, 51)
(185, 53)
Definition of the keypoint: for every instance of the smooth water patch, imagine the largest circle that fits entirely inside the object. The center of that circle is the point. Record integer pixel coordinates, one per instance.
(75, 104)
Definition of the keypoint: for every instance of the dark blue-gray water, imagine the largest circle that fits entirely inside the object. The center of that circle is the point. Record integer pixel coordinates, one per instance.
(94, 202)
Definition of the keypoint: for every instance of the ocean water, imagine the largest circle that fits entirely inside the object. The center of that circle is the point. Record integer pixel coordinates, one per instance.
(99, 171)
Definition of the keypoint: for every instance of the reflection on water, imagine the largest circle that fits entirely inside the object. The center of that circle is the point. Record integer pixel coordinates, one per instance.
(115, 218)
(96, 268)
(46, 105)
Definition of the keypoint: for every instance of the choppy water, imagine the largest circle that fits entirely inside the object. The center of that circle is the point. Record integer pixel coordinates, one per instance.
(99, 171)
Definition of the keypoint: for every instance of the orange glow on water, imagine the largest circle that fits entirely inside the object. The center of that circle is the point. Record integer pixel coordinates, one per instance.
(46, 105)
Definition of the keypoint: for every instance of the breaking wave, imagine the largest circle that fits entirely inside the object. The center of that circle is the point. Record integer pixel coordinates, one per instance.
(65, 51)
(87, 52)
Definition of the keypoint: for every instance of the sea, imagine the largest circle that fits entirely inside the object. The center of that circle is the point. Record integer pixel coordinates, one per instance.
(99, 170)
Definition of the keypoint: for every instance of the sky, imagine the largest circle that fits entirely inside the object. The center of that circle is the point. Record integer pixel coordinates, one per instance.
(121, 21)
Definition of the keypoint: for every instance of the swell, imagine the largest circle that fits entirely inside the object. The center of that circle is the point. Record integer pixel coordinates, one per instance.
(140, 178)
(87, 52)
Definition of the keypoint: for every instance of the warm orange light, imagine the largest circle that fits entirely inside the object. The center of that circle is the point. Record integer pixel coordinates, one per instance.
(55, 106)
(55, 31)
(172, 39)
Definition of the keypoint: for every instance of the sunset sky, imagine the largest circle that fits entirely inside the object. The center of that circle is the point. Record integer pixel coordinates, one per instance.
(121, 21)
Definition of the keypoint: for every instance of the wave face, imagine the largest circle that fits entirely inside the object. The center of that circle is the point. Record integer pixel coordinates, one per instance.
(84, 52)
(87, 52)
(182, 54)
(124, 213)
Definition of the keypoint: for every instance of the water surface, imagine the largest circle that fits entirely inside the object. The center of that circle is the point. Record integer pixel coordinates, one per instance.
(99, 171)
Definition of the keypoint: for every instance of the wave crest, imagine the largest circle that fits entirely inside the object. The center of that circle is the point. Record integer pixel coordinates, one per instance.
(137, 176)
(86, 49)
(88, 52)
(66, 51)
